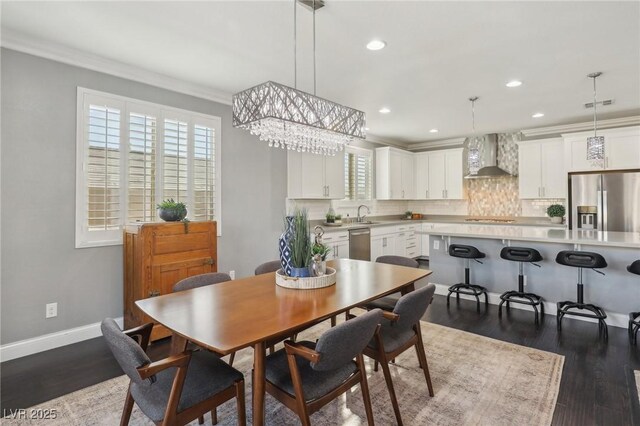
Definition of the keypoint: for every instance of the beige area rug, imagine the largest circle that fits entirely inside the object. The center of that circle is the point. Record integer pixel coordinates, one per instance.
(477, 381)
(637, 373)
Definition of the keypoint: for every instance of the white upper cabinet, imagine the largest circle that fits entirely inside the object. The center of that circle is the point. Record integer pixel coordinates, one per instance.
(439, 175)
(315, 176)
(621, 149)
(394, 174)
(542, 171)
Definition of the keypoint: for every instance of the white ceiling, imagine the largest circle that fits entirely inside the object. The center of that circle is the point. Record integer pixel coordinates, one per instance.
(438, 54)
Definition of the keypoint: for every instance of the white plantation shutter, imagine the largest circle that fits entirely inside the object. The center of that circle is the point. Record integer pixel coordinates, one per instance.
(141, 168)
(358, 174)
(131, 155)
(175, 160)
(204, 172)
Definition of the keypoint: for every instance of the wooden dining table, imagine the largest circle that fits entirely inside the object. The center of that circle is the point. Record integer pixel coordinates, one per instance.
(254, 311)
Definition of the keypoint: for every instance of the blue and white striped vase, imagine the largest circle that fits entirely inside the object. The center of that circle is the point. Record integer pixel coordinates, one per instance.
(285, 247)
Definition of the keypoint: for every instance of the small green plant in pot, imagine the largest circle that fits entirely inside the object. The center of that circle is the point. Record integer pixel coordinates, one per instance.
(408, 214)
(300, 244)
(338, 219)
(556, 212)
(330, 218)
(172, 211)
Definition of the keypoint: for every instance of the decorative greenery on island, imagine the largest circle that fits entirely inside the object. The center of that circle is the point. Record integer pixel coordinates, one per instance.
(556, 210)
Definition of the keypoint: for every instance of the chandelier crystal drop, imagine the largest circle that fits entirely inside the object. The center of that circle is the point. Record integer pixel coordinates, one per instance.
(286, 117)
(289, 118)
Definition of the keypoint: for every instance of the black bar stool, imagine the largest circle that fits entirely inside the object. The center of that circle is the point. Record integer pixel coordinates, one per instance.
(521, 255)
(467, 253)
(634, 317)
(581, 260)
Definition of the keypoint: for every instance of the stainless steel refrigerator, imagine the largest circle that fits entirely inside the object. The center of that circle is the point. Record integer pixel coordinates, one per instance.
(608, 201)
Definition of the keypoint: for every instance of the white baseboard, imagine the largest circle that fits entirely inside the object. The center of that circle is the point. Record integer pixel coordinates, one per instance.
(51, 341)
(613, 319)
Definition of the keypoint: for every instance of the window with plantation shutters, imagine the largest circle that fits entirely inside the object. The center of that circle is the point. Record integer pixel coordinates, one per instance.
(357, 174)
(131, 155)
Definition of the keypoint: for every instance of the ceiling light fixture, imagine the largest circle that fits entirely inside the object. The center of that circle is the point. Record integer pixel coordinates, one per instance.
(538, 115)
(289, 118)
(474, 152)
(376, 45)
(384, 110)
(514, 83)
(433, 131)
(595, 143)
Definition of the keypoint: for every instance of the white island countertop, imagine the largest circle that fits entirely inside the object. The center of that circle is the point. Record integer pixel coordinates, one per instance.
(526, 233)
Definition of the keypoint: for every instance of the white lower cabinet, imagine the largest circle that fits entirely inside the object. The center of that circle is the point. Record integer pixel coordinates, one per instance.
(394, 240)
(338, 242)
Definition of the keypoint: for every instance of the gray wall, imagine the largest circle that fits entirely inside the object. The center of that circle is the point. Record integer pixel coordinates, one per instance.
(39, 262)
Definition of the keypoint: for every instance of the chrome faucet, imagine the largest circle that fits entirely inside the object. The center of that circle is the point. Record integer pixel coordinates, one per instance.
(360, 219)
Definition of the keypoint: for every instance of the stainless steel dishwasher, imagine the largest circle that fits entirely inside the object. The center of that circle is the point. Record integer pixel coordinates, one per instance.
(360, 244)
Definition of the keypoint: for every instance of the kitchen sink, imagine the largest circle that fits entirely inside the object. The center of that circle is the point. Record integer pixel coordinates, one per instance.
(366, 222)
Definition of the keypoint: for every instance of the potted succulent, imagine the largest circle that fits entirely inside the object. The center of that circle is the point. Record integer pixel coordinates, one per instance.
(300, 244)
(556, 212)
(338, 219)
(172, 211)
(330, 217)
(408, 214)
(319, 254)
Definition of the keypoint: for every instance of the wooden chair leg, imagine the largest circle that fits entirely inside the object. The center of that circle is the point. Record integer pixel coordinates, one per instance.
(271, 349)
(128, 407)
(231, 358)
(375, 365)
(392, 392)
(201, 420)
(301, 405)
(242, 414)
(333, 321)
(214, 416)
(366, 398)
(422, 358)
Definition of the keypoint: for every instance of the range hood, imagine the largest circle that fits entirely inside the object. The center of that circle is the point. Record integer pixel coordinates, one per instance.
(483, 151)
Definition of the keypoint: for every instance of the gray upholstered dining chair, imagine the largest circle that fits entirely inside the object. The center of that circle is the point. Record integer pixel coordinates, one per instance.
(305, 376)
(387, 303)
(175, 390)
(399, 331)
(267, 267)
(202, 280)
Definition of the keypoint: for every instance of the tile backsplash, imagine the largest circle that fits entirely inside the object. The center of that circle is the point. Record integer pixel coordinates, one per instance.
(493, 196)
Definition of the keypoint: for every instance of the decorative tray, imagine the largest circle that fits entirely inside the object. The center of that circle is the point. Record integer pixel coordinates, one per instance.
(306, 283)
(331, 224)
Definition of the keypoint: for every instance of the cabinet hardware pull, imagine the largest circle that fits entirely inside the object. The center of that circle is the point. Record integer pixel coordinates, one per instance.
(403, 193)
(426, 194)
(154, 293)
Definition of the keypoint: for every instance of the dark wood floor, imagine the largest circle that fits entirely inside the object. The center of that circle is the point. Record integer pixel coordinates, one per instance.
(597, 388)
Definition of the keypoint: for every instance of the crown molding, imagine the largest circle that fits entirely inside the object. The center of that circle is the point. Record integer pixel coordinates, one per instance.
(579, 127)
(386, 142)
(444, 143)
(56, 52)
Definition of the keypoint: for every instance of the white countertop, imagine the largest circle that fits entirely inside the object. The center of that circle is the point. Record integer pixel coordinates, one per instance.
(528, 233)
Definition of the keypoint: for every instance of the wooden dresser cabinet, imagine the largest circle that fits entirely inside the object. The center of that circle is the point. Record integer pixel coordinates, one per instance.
(158, 255)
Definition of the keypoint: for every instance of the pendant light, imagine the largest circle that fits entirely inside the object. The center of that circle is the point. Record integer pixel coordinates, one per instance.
(474, 151)
(289, 118)
(595, 143)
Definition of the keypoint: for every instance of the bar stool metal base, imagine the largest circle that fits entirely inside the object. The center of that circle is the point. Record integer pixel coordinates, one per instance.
(564, 308)
(634, 327)
(468, 289)
(523, 298)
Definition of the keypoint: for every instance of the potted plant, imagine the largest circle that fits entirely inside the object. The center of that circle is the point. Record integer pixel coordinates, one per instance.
(556, 212)
(338, 219)
(330, 217)
(300, 244)
(319, 254)
(408, 214)
(171, 211)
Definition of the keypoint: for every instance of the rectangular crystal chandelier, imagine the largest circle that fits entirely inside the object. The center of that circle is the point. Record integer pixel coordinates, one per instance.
(595, 148)
(289, 118)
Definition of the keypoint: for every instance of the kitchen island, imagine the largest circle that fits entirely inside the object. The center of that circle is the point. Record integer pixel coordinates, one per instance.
(618, 292)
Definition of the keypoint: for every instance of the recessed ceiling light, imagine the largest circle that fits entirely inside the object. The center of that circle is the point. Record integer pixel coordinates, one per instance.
(514, 83)
(366, 128)
(376, 45)
(433, 131)
(538, 115)
(384, 110)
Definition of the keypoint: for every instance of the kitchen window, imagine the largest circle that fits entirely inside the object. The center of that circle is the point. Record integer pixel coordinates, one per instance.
(357, 173)
(131, 155)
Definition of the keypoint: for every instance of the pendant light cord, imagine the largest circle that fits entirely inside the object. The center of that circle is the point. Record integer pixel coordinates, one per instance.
(295, 45)
(314, 47)
(595, 121)
(473, 100)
